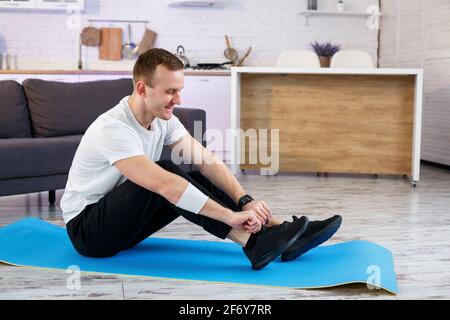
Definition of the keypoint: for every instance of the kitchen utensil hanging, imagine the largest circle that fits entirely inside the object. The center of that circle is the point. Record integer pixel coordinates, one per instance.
(111, 44)
(241, 61)
(80, 60)
(129, 49)
(90, 37)
(147, 42)
(230, 53)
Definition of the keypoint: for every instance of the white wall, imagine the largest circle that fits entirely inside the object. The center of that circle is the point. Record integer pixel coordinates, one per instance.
(42, 40)
(415, 34)
(402, 34)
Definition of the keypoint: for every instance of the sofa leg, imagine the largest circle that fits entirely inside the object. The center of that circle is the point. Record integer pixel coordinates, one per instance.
(51, 197)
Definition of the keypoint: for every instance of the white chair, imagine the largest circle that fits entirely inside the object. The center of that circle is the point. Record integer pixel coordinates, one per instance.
(351, 59)
(298, 58)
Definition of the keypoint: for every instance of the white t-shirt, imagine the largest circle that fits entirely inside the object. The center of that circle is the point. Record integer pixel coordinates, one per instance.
(114, 135)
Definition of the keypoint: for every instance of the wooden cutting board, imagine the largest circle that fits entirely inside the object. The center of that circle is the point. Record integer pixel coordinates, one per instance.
(110, 44)
(147, 42)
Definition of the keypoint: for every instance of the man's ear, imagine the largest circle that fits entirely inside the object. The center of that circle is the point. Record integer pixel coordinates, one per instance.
(140, 88)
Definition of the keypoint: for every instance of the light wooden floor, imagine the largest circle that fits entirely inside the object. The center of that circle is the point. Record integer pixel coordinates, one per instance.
(414, 223)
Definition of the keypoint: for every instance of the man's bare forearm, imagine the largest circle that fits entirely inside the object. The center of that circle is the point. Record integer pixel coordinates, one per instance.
(174, 188)
(150, 176)
(219, 174)
(215, 211)
(210, 166)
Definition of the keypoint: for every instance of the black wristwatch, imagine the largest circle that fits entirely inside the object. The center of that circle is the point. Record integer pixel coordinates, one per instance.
(244, 200)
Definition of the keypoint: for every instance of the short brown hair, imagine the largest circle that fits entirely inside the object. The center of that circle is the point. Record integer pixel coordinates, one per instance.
(145, 66)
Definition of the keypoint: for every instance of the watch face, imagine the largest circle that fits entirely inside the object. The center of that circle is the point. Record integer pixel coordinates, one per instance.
(245, 199)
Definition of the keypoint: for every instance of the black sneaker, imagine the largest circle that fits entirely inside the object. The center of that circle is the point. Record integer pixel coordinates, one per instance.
(317, 233)
(267, 244)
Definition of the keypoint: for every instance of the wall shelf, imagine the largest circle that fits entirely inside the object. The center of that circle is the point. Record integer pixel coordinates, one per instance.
(197, 4)
(117, 20)
(68, 5)
(309, 13)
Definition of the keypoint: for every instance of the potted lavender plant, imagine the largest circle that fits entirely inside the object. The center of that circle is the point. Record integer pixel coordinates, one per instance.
(325, 51)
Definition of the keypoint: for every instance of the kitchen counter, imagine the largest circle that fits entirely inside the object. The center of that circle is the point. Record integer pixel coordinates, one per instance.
(330, 71)
(331, 120)
(187, 72)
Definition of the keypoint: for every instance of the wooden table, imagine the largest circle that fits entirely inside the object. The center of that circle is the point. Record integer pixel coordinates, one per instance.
(332, 120)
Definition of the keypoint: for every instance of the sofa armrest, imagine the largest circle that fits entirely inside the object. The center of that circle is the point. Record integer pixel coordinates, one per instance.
(189, 116)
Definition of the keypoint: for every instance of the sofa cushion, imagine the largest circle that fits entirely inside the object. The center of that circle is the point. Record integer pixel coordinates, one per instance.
(60, 109)
(14, 122)
(34, 157)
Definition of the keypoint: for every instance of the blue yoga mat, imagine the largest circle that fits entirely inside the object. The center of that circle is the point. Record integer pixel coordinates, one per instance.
(35, 243)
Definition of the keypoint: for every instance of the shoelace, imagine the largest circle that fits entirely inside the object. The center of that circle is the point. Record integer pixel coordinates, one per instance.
(277, 228)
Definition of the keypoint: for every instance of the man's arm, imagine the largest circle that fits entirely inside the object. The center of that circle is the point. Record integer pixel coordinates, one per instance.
(210, 166)
(149, 175)
(217, 172)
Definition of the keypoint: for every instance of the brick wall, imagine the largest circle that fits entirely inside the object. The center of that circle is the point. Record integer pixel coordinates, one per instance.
(42, 39)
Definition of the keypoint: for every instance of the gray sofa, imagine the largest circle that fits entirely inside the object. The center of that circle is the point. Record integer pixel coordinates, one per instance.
(41, 125)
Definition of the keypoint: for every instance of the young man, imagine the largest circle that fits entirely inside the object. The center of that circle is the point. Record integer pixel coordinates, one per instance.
(119, 192)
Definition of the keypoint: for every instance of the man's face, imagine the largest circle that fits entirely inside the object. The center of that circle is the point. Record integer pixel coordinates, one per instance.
(165, 94)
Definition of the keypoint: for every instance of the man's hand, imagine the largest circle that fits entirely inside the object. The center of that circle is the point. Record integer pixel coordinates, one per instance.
(261, 209)
(245, 220)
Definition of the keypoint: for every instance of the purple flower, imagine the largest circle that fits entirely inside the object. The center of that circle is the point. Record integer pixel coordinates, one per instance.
(325, 49)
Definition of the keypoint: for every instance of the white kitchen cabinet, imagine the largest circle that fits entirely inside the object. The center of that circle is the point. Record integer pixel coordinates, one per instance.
(212, 94)
(59, 77)
(18, 4)
(16, 77)
(95, 77)
(43, 4)
(415, 34)
(49, 77)
(60, 4)
(436, 122)
(62, 77)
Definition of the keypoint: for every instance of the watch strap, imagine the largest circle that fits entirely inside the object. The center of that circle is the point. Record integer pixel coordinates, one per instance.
(244, 200)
